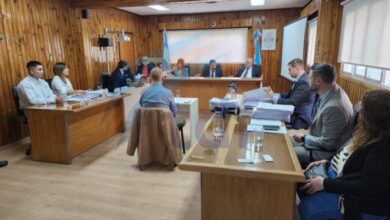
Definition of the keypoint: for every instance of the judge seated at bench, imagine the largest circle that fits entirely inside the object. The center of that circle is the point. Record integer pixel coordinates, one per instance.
(249, 70)
(156, 95)
(212, 70)
(33, 90)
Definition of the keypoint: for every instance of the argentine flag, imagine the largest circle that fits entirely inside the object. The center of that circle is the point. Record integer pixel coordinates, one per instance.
(165, 61)
(256, 41)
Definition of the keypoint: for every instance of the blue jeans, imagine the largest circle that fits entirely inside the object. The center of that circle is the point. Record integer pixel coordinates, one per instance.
(325, 206)
(321, 205)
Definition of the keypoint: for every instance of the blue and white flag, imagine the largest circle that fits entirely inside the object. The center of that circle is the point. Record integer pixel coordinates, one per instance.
(256, 43)
(165, 61)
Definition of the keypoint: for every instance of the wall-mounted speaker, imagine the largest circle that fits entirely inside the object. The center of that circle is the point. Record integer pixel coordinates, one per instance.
(105, 42)
(85, 13)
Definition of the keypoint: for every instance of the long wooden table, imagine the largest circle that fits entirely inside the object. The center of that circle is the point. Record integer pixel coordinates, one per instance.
(59, 134)
(233, 190)
(205, 88)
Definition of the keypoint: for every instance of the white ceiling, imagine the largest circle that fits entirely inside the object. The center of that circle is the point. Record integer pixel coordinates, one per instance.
(219, 6)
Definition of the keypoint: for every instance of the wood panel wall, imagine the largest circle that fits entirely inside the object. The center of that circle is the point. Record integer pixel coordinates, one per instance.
(270, 59)
(51, 31)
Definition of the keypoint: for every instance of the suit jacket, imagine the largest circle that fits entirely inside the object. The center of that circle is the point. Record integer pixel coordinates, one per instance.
(332, 125)
(120, 80)
(302, 98)
(256, 72)
(164, 147)
(206, 72)
(141, 66)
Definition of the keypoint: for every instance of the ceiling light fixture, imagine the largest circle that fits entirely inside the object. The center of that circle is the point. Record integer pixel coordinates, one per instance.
(257, 2)
(158, 7)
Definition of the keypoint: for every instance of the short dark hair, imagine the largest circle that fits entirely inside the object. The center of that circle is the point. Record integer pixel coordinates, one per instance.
(325, 71)
(122, 64)
(212, 61)
(32, 64)
(58, 68)
(296, 62)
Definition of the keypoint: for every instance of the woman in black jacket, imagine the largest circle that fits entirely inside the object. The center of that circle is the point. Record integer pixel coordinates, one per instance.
(364, 184)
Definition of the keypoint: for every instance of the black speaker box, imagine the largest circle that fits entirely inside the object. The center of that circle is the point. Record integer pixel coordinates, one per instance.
(85, 13)
(105, 42)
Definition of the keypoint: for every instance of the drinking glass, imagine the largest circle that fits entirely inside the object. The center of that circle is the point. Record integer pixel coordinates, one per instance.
(218, 125)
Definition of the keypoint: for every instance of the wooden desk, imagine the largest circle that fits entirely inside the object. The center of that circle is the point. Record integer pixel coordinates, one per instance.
(206, 88)
(232, 190)
(59, 134)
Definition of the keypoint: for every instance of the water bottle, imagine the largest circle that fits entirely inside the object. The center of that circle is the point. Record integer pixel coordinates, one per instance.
(218, 125)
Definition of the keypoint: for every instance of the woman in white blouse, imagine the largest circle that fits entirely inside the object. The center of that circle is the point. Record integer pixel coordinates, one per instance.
(61, 83)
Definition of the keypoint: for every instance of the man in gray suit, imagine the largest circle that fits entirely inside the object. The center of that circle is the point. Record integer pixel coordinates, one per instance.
(299, 96)
(332, 125)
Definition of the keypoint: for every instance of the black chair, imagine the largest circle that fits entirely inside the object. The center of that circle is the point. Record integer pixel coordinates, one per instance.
(49, 81)
(181, 122)
(19, 111)
(105, 81)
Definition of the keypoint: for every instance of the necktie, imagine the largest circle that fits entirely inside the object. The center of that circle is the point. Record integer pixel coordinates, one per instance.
(245, 73)
(316, 106)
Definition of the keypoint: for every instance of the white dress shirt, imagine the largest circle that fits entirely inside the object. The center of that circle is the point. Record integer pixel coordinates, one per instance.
(33, 91)
(60, 86)
(212, 73)
(249, 74)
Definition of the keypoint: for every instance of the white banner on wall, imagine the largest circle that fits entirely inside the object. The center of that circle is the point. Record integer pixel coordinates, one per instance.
(199, 46)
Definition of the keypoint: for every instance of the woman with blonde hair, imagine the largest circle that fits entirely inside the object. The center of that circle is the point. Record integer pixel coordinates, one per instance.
(361, 190)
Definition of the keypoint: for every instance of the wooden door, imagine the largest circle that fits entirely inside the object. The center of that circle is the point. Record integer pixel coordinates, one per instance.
(127, 53)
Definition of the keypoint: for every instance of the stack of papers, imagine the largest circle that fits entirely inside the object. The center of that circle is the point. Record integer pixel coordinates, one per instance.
(88, 95)
(268, 126)
(217, 102)
(273, 111)
(257, 95)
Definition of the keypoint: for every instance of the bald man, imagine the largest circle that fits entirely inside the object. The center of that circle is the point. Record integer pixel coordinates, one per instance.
(156, 95)
(249, 70)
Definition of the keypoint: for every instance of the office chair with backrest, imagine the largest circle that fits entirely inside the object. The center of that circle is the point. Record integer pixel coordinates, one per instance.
(49, 81)
(105, 81)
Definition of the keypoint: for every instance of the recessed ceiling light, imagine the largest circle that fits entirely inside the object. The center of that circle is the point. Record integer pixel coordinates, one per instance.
(257, 2)
(158, 7)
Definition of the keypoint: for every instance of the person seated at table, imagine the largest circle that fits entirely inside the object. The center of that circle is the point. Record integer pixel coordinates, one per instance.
(156, 95)
(358, 180)
(300, 96)
(145, 67)
(33, 90)
(332, 125)
(60, 83)
(121, 76)
(180, 70)
(249, 70)
(212, 70)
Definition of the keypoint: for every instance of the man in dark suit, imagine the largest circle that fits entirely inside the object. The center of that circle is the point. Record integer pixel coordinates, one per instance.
(212, 70)
(145, 67)
(249, 70)
(121, 76)
(299, 96)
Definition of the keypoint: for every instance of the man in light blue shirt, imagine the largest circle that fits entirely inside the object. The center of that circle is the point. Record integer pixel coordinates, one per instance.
(156, 95)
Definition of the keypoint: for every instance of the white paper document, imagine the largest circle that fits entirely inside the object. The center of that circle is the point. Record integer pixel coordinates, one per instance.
(266, 122)
(260, 128)
(179, 100)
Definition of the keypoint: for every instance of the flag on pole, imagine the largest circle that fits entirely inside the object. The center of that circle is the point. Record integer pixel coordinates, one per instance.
(256, 42)
(165, 61)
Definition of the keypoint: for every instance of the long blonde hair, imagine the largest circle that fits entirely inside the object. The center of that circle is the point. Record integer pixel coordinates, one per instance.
(374, 121)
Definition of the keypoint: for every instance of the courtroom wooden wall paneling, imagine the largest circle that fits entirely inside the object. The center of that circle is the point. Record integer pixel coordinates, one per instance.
(35, 29)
